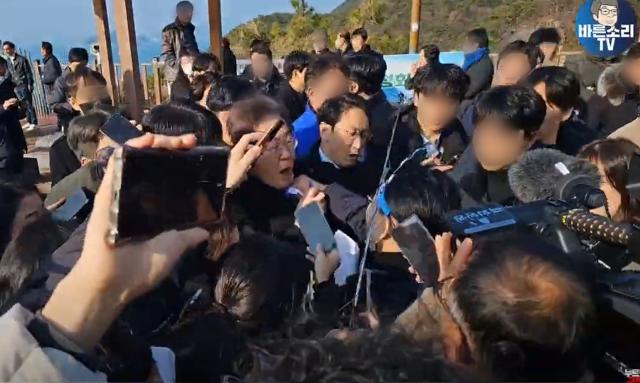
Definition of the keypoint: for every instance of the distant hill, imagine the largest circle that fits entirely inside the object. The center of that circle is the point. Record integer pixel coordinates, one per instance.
(444, 22)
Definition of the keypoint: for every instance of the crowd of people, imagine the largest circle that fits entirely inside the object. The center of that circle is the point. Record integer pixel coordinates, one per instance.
(248, 299)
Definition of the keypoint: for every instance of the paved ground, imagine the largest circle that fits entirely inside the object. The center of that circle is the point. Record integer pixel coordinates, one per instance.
(38, 142)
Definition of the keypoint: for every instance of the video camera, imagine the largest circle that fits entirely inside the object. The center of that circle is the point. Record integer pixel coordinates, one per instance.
(608, 248)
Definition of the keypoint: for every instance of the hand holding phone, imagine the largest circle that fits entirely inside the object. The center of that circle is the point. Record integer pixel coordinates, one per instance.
(72, 207)
(158, 190)
(119, 129)
(315, 228)
(418, 248)
(271, 134)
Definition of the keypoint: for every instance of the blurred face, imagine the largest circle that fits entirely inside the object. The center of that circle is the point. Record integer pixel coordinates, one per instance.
(262, 66)
(357, 42)
(497, 146)
(435, 112)
(186, 63)
(554, 117)
(9, 51)
(89, 94)
(275, 165)
(614, 199)
(340, 42)
(469, 46)
(632, 71)
(345, 142)
(319, 45)
(185, 14)
(3, 70)
(30, 209)
(223, 116)
(422, 61)
(332, 84)
(511, 69)
(549, 50)
(43, 52)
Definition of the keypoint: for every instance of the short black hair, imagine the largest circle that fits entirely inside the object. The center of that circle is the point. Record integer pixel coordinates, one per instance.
(178, 118)
(533, 53)
(562, 86)
(332, 110)
(431, 53)
(86, 75)
(47, 47)
(519, 107)
(479, 36)
(633, 53)
(360, 32)
(85, 130)
(184, 4)
(77, 55)
(296, 60)
(261, 47)
(228, 90)
(206, 62)
(427, 193)
(200, 83)
(367, 71)
(545, 35)
(9, 44)
(448, 80)
(322, 64)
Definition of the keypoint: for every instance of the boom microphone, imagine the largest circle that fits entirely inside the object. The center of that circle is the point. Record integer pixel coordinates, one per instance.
(547, 173)
(597, 227)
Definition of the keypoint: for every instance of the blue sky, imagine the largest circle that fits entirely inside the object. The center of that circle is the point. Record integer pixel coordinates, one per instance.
(68, 23)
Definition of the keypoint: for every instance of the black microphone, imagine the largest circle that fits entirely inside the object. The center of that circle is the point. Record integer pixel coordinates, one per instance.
(597, 227)
(547, 173)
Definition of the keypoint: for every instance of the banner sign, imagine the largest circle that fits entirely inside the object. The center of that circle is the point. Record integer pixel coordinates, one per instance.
(399, 69)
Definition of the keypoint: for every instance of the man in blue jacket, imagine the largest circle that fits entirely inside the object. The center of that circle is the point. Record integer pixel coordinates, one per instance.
(327, 77)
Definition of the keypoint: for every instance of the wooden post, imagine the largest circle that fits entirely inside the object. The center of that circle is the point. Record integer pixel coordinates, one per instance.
(126, 32)
(104, 40)
(215, 29)
(145, 86)
(414, 34)
(157, 86)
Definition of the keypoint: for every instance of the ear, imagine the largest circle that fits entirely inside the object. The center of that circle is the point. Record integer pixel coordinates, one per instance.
(84, 160)
(325, 129)
(353, 88)
(416, 98)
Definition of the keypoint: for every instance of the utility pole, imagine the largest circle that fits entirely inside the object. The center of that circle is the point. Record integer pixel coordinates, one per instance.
(414, 35)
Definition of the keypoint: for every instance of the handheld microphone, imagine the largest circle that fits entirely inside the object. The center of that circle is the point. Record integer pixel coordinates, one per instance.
(597, 227)
(547, 173)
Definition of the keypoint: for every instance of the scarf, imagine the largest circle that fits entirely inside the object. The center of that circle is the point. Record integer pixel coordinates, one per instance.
(474, 57)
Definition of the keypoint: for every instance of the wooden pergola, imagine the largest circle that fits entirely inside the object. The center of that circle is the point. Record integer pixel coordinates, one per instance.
(126, 35)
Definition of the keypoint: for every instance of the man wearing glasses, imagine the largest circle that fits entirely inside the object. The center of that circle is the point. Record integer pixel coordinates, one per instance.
(605, 12)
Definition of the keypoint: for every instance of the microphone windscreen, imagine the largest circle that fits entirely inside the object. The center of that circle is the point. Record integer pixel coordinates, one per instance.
(535, 177)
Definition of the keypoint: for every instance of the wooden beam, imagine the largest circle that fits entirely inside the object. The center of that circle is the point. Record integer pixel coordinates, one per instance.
(157, 86)
(215, 29)
(126, 32)
(414, 33)
(104, 40)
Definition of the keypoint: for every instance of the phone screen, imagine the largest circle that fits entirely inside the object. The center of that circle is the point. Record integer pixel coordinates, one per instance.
(162, 190)
(72, 207)
(119, 129)
(315, 228)
(418, 247)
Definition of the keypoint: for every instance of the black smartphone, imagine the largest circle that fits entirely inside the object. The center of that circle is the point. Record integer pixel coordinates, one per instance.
(119, 129)
(158, 190)
(72, 207)
(418, 247)
(315, 228)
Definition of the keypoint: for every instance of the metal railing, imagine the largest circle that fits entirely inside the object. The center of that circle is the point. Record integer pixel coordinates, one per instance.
(38, 93)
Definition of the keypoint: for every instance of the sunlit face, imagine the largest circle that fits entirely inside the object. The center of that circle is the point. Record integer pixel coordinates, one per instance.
(332, 84)
(29, 210)
(470, 46)
(511, 69)
(497, 146)
(88, 93)
(9, 51)
(262, 66)
(435, 112)
(275, 165)
(344, 143)
(185, 14)
(340, 42)
(357, 42)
